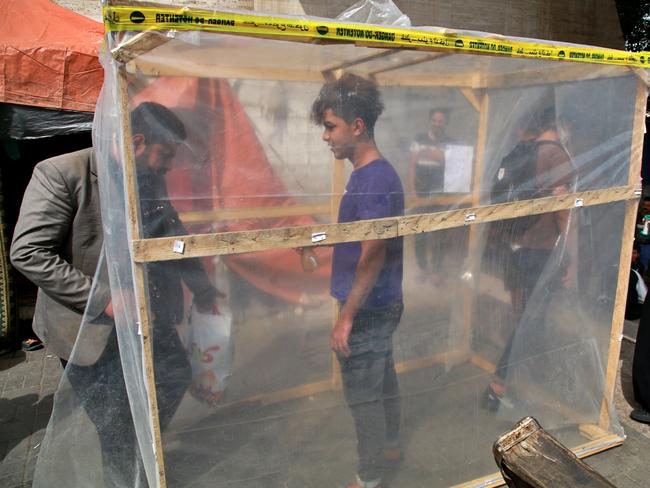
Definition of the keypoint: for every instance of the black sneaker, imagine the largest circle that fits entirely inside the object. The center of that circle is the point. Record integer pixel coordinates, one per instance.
(490, 401)
(640, 415)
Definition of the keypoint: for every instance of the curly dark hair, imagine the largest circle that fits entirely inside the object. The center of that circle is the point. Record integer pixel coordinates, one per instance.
(349, 97)
(541, 120)
(157, 123)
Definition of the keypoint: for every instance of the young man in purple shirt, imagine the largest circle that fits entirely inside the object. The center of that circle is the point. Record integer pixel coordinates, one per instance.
(366, 275)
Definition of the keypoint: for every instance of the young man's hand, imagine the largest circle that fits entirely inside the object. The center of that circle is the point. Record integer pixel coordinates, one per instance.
(109, 310)
(120, 302)
(569, 278)
(340, 335)
(308, 259)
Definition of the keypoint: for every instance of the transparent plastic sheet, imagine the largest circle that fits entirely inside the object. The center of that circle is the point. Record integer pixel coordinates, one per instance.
(24, 122)
(102, 402)
(380, 12)
(253, 160)
(551, 351)
(79, 464)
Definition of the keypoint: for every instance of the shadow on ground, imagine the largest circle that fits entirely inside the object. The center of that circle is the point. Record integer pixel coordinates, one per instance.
(11, 359)
(25, 415)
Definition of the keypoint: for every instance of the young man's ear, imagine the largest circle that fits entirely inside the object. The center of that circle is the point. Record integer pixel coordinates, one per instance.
(139, 145)
(358, 126)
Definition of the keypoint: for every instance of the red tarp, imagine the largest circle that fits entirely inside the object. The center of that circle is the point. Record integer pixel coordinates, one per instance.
(48, 56)
(224, 166)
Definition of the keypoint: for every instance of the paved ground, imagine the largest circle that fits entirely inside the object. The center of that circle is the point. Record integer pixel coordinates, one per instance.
(28, 382)
(27, 385)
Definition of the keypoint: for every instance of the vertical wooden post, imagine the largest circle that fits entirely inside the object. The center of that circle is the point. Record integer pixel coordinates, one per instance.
(338, 185)
(618, 317)
(139, 275)
(473, 241)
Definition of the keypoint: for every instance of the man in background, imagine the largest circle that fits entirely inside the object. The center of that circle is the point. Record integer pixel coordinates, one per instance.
(426, 175)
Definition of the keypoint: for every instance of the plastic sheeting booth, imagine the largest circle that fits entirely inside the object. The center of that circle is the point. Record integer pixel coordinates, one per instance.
(514, 269)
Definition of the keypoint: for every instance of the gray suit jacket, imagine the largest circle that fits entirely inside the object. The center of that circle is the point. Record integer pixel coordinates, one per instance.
(57, 243)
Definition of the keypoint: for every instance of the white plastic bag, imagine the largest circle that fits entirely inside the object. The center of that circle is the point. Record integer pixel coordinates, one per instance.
(209, 345)
(380, 12)
(641, 288)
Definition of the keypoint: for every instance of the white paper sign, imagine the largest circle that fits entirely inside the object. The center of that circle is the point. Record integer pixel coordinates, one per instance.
(458, 168)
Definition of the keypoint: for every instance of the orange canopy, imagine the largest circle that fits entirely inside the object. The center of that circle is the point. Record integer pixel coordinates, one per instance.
(49, 56)
(223, 165)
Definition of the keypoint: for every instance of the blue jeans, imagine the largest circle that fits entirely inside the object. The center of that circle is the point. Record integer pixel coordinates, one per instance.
(370, 386)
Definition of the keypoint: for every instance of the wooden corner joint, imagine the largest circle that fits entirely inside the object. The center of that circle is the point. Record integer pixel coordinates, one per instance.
(139, 44)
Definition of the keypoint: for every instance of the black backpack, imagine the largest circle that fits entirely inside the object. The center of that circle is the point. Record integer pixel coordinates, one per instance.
(516, 179)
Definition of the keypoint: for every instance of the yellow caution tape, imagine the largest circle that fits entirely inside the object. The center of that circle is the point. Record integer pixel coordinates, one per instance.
(141, 18)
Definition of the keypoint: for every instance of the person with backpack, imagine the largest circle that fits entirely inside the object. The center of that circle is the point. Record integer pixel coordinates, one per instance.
(538, 166)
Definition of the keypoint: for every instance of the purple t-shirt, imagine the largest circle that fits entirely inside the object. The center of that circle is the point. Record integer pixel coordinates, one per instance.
(373, 192)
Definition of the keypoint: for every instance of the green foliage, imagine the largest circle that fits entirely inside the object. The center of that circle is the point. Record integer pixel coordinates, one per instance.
(635, 23)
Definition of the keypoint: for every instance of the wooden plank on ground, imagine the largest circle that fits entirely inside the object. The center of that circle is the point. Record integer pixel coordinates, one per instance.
(582, 451)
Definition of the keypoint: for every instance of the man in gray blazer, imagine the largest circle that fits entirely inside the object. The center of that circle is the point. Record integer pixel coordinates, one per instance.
(57, 245)
(57, 242)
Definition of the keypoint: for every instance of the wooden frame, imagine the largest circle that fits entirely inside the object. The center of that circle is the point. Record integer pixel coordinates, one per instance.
(391, 75)
(476, 90)
(140, 278)
(220, 243)
(626, 256)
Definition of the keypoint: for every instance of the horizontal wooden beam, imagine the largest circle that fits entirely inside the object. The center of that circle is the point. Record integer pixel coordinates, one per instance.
(404, 64)
(152, 67)
(329, 384)
(386, 77)
(360, 60)
(458, 218)
(455, 357)
(456, 200)
(592, 431)
(222, 214)
(201, 245)
(392, 75)
(482, 363)
(285, 395)
(548, 73)
(473, 79)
